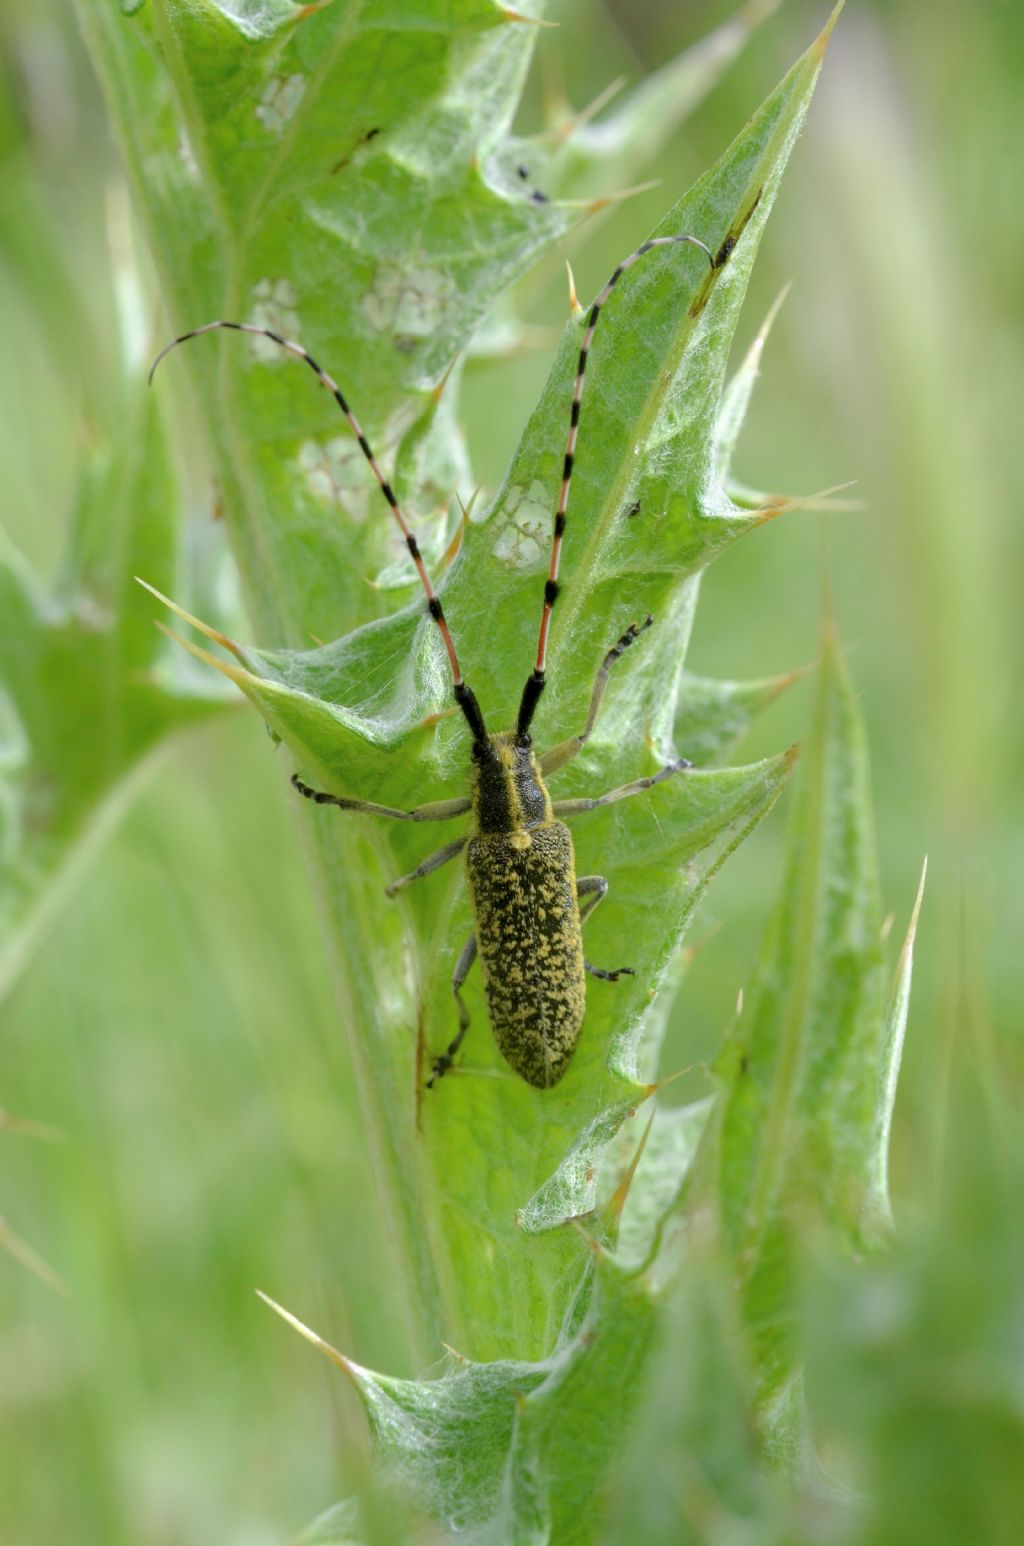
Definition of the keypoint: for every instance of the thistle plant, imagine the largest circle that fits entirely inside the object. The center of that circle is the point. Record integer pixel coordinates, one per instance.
(349, 176)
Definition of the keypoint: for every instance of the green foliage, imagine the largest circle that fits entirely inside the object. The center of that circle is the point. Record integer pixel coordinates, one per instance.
(347, 175)
(337, 173)
(88, 695)
(86, 691)
(918, 1356)
(798, 1141)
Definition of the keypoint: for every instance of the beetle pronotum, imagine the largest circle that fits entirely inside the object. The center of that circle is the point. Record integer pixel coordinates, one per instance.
(529, 907)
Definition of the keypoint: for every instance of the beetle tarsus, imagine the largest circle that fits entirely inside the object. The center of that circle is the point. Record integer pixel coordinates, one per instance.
(609, 976)
(440, 1068)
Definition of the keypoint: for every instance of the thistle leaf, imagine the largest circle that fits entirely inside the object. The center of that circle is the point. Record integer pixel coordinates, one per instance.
(713, 716)
(617, 144)
(355, 715)
(86, 691)
(797, 1143)
(349, 184)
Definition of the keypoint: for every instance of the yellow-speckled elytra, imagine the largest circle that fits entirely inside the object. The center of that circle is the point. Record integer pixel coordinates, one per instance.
(528, 903)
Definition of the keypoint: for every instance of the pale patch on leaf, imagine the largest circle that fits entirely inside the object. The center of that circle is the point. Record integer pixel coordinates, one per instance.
(408, 300)
(335, 471)
(273, 304)
(523, 534)
(279, 101)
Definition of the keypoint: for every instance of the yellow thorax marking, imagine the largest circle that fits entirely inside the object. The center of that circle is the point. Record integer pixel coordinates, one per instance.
(517, 835)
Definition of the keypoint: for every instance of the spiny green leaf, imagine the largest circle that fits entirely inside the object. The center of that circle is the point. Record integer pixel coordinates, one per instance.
(712, 716)
(334, 174)
(799, 1134)
(737, 395)
(614, 146)
(491, 1158)
(86, 692)
(671, 1147)
(306, 696)
(481, 1446)
(383, 262)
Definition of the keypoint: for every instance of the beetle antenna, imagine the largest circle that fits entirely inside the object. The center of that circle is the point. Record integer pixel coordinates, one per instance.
(535, 683)
(464, 696)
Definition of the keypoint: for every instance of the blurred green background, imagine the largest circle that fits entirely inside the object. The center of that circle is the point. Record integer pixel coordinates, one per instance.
(175, 1024)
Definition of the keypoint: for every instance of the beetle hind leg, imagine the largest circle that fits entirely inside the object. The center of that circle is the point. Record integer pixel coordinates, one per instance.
(605, 976)
(443, 1063)
(428, 865)
(595, 889)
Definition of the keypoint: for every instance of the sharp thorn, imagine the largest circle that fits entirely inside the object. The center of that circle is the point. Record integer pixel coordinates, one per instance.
(318, 1342)
(606, 200)
(529, 21)
(196, 622)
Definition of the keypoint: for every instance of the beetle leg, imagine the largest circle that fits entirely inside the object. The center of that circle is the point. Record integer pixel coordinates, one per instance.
(441, 810)
(576, 807)
(559, 755)
(461, 972)
(437, 810)
(595, 889)
(428, 865)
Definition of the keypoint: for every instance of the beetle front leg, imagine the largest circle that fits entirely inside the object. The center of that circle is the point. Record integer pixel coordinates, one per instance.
(562, 754)
(595, 888)
(461, 972)
(437, 810)
(624, 792)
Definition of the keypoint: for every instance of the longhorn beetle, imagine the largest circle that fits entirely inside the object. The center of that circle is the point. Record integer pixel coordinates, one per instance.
(528, 904)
